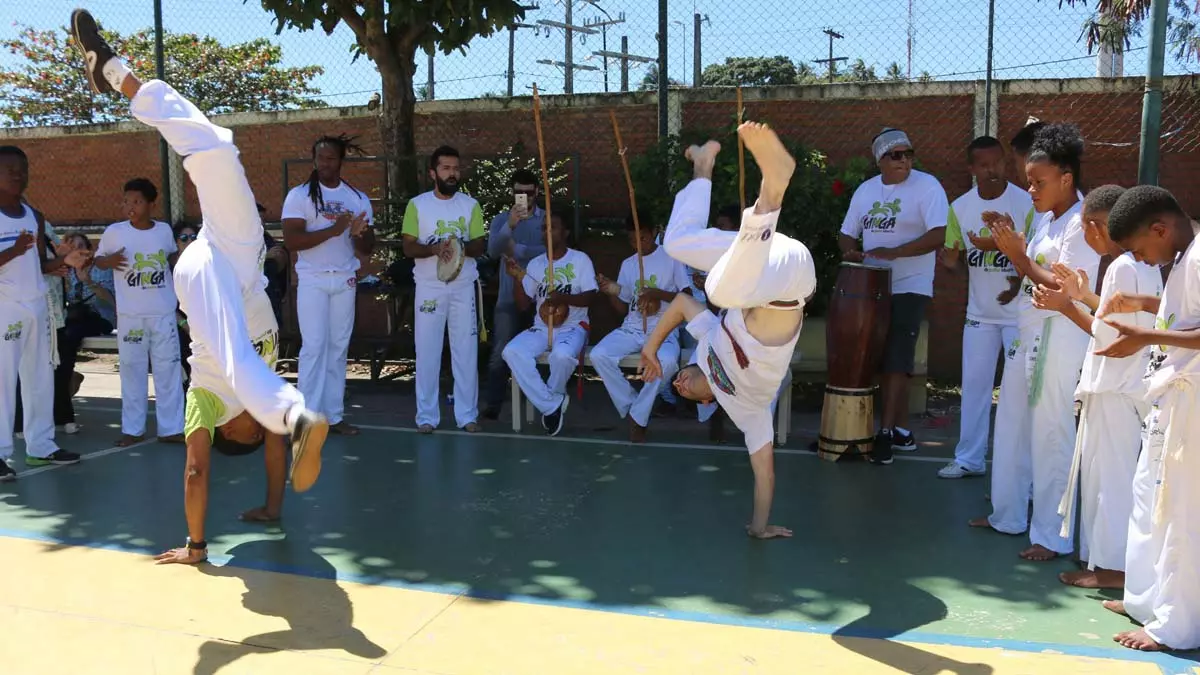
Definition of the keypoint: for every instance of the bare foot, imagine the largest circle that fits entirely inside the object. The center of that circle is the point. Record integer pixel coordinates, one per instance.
(1115, 606)
(425, 429)
(637, 432)
(773, 159)
(259, 514)
(1038, 553)
(1139, 640)
(703, 157)
(472, 428)
(1093, 579)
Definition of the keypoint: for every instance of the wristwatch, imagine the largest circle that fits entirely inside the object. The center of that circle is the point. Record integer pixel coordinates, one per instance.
(196, 545)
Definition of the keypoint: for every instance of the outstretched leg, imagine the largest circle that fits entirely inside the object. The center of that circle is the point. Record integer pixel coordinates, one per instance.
(688, 238)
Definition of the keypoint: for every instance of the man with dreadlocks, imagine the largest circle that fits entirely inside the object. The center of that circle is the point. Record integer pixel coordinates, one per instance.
(326, 267)
(234, 390)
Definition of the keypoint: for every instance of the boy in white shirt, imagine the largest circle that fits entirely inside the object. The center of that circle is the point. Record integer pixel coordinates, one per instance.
(234, 391)
(991, 324)
(140, 251)
(901, 217)
(764, 280)
(326, 267)
(430, 221)
(563, 302)
(664, 277)
(1162, 561)
(1112, 394)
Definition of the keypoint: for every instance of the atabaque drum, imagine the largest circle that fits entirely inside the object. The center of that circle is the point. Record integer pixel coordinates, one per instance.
(855, 333)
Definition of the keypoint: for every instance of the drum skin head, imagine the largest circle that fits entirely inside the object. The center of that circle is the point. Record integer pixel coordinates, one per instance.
(450, 261)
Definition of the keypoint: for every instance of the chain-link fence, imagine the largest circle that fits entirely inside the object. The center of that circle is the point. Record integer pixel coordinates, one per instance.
(828, 74)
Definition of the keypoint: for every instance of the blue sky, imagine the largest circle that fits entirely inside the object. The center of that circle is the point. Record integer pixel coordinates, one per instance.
(1033, 39)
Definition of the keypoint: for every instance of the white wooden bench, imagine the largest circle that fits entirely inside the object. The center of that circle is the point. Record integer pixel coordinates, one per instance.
(783, 406)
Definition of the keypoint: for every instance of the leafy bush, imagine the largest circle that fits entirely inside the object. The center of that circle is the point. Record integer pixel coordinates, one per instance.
(488, 179)
(813, 207)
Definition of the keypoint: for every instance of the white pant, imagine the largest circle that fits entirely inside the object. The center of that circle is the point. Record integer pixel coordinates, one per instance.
(521, 355)
(25, 352)
(982, 344)
(742, 271)
(1162, 561)
(150, 342)
(325, 311)
(219, 278)
(1110, 436)
(1035, 431)
(438, 307)
(606, 358)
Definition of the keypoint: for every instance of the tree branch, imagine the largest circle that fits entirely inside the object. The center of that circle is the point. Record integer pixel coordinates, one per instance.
(351, 17)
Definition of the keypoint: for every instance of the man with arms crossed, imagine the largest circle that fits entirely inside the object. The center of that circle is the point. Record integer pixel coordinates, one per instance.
(763, 279)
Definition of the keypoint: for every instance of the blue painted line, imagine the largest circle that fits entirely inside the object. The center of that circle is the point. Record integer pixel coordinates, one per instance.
(1169, 664)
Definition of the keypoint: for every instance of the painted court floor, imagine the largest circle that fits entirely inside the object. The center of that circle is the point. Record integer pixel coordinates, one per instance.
(459, 554)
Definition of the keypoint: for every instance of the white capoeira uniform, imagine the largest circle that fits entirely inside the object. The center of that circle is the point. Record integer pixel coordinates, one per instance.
(326, 294)
(219, 278)
(1162, 560)
(661, 272)
(1035, 420)
(752, 268)
(1113, 395)
(25, 343)
(147, 330)
(573, 274)
(990, 327)
(442, 306)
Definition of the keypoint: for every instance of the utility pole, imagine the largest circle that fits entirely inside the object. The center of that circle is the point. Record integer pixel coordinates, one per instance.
(603, 25)
(831, 60)
(910, 38)
(512, 46)
(569, 29)
(429, 79)
(664, 72)
(696, 60)
(1152, 101)
(625, 57)
(164, 151)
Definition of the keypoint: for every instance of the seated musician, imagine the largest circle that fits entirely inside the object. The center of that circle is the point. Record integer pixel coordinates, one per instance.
(764, 280)
(563, 304)
(640, 301)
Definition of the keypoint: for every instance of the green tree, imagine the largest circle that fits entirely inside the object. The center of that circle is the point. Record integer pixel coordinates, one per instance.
(751, 71)
(48, 88)
(1115, 21)
(650, 81)
(389, 33)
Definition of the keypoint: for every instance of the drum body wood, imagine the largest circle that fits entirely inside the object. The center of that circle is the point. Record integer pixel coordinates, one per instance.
(855, 334)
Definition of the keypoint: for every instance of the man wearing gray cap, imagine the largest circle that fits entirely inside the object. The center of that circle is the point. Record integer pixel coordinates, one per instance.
(901, 217)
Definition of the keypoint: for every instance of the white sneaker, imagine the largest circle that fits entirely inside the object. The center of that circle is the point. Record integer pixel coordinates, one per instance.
(70, 428)
(956, 470)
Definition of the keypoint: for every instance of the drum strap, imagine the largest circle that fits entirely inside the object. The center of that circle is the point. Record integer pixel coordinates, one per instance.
(785, 304)
(742, 360)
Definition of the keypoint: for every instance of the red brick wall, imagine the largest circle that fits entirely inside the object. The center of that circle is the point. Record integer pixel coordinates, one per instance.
(77, 178)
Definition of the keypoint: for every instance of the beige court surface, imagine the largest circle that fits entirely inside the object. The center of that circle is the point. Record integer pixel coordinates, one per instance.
(116, 612)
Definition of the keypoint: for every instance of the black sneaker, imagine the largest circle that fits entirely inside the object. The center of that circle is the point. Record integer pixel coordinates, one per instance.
(7, 475)
(881, 451)
(309, 431)
(554, 421)
(903, 441)
(59, 456)
(95, 49)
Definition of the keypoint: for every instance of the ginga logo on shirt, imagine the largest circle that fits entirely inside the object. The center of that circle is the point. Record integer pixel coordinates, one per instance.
(989, 261)
(13, 332)
(639, 286)
(148, 270)
(882, 216)
(451, 228)
(563, 277)
(267, 346)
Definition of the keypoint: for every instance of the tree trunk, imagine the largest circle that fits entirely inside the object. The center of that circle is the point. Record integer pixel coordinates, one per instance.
(396, 126)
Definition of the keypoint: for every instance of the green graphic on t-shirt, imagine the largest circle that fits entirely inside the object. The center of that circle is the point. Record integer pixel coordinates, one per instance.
(451, 228)
(564, 275)
(1040, 259)
(882, 216)
(267, 346)
(149, 270)
(1164, 324)
(650, 282)
(14, 331)
(985, 232)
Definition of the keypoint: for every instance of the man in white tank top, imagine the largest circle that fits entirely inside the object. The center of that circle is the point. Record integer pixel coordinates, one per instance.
(763, 279)
(24, 323)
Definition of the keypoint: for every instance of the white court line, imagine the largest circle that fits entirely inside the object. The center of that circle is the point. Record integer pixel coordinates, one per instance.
(601, 441)
(83, 458)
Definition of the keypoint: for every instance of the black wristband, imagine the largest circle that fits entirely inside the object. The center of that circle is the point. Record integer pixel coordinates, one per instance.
(196, 545)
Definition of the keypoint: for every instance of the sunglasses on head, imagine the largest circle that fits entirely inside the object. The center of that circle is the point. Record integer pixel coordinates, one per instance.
(897, 155)
(187, 237)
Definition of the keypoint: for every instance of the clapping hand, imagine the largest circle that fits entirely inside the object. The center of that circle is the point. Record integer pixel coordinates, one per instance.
(1073, 282)
(359, 225)
(1120, 303)
(981, 242)
(1053, 299)
(1010, 242)
(1131, 340)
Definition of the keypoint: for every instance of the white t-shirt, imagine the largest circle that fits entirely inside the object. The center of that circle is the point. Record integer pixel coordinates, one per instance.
(21, 279)
(988, 272)
(331, 255)
(146, 287)
(430, 219)
(662, 272)
(887, 216)
(1056, 240)
(744, 393)
(1179, 309)
(1102, 375)
(573, 274)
